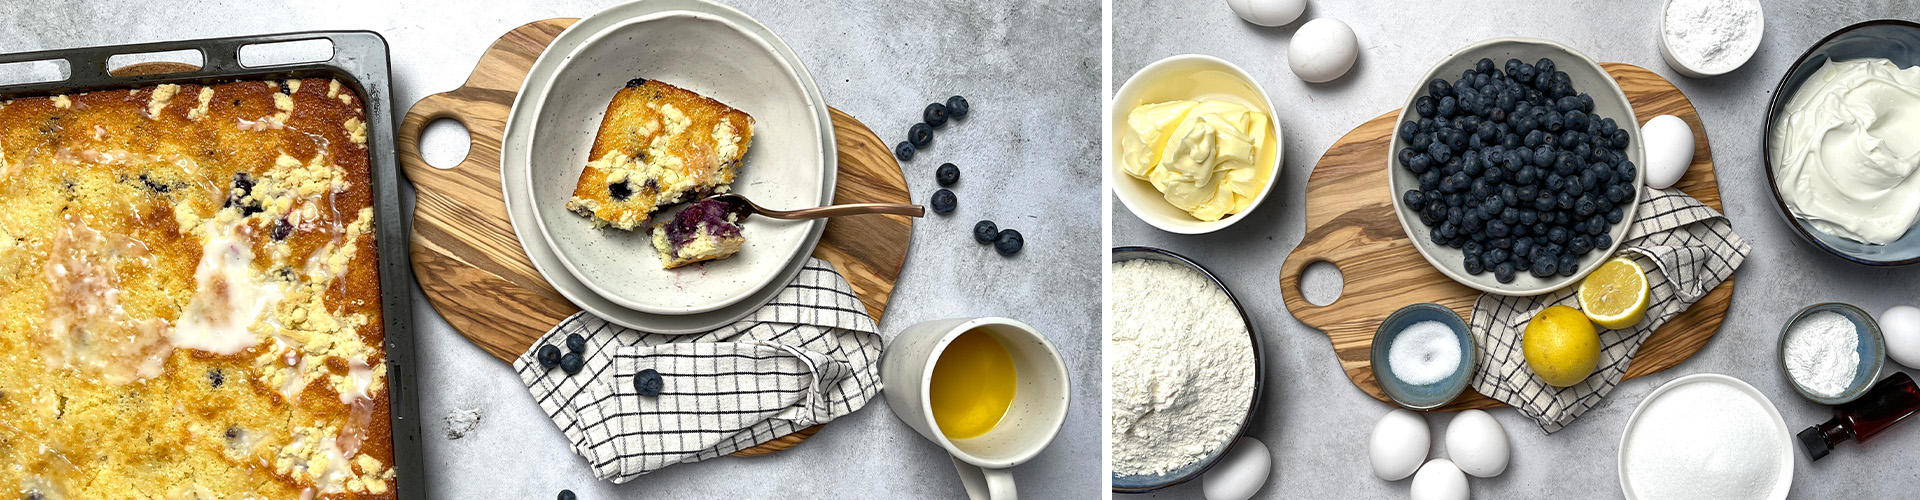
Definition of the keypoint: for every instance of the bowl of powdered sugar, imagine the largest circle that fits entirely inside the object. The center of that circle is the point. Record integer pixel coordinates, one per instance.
(1705, 38)
(1832, 352)
(1186, 369)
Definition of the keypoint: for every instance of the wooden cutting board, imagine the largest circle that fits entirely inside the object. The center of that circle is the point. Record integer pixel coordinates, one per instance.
(475, 274)
(1351, 224)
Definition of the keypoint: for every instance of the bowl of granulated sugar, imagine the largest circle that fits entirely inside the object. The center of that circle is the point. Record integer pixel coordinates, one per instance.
(1832, 352)
(1706, 38)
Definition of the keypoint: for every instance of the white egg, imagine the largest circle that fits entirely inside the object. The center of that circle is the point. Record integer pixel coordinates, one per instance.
(1439, 479)
(1322, 50)
(1901, 326)
(1669, 144)
(1268, 12)
(1477, 443)
(1398, 445)
(1240, 474)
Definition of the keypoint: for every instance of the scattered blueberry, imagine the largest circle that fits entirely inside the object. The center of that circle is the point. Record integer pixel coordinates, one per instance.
(648, 383)
(944, 201)
(549, 356)
(1008, 242)
(947, 174)
(568, 495)
(576, 343)
(904, 151)
(572, 363)
(920, 135)
(957, 107)
(985, 231)
(935, 115)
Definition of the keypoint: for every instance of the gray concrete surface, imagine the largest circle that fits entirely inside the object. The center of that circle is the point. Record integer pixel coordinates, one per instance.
(1318, 422)
(1030, 160)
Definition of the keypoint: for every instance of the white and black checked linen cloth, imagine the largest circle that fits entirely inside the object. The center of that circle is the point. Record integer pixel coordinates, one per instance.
(1687, 249)
(806, 358)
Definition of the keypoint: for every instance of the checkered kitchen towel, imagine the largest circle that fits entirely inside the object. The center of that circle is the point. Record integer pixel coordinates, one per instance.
(806, 358)
(1686, 247)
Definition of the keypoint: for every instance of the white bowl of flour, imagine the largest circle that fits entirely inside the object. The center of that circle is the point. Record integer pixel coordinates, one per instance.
(1186, 369)
(1706, 38)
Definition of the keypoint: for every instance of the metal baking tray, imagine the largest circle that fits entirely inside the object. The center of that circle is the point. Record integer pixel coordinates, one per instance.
(359, 61)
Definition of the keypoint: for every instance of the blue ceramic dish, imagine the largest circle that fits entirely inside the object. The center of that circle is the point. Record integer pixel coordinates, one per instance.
(1142, 483)
(1891, 39)
(1430, 396)
(1873, 352)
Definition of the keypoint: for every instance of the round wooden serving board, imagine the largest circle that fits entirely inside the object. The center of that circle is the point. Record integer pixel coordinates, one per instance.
(1350, 224)
(471, 266)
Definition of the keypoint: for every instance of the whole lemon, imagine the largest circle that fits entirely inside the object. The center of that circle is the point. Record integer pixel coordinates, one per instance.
(1561, 346)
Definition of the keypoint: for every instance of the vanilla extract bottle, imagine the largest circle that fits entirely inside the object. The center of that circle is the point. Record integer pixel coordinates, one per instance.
(1890, 401)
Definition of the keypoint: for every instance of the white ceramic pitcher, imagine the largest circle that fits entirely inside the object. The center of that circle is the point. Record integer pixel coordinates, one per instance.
(1032, 419)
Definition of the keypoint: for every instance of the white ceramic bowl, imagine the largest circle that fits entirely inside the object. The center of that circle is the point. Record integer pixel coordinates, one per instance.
(1694, 69)
(1783, 479)
(790, 163)
(1608, 102)
(1176, 78)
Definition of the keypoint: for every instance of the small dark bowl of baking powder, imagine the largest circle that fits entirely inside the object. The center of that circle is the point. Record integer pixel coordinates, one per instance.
(1832, 352)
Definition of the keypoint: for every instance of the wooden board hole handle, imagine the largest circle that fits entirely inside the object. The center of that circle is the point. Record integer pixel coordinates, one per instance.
(1292, 272)
(439, 106)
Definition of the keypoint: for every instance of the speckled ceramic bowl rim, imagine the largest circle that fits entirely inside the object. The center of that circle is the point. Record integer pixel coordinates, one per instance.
(1780, 99)
(791, 73)
(1871, 340)
(1382, 374)
(1198, 468)
(514, 144)
(1782, 482)
(1115, 176)
(1485, 282)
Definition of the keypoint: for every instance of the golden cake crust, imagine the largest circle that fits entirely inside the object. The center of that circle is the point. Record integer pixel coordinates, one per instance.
(658, 145)
(189, 300)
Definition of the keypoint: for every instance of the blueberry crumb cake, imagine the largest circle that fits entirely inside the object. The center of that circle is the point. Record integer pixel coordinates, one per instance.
(189, 303)
(706, 230)
(658, 145)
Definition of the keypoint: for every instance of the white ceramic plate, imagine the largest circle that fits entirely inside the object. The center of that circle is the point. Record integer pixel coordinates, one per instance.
(787, 165)
(517, 143)
(1777, 433)
(1608, 102)
(1187, 77)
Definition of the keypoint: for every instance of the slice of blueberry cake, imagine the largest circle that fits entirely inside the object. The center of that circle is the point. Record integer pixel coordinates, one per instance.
(658, 145)
(706, 230)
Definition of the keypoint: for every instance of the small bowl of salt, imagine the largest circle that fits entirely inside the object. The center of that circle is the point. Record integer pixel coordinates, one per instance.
(1707, 38)
(1832, 352)
(1423, 356)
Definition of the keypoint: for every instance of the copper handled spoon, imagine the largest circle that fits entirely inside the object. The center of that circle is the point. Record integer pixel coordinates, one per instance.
(748, 207)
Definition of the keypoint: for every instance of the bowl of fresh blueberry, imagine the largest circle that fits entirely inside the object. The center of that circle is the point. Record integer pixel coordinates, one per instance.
(1516, 178)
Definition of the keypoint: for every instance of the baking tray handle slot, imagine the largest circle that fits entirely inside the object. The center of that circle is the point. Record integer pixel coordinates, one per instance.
(92, 67)
(35, 71)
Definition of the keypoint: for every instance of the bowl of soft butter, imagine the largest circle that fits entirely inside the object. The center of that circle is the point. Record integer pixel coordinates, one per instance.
(1196, 144)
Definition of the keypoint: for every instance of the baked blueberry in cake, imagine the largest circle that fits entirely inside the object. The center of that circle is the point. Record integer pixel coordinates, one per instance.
(657, 146)
(706, 230)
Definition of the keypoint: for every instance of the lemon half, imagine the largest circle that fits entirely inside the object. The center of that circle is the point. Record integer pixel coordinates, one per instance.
(1615, 295)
